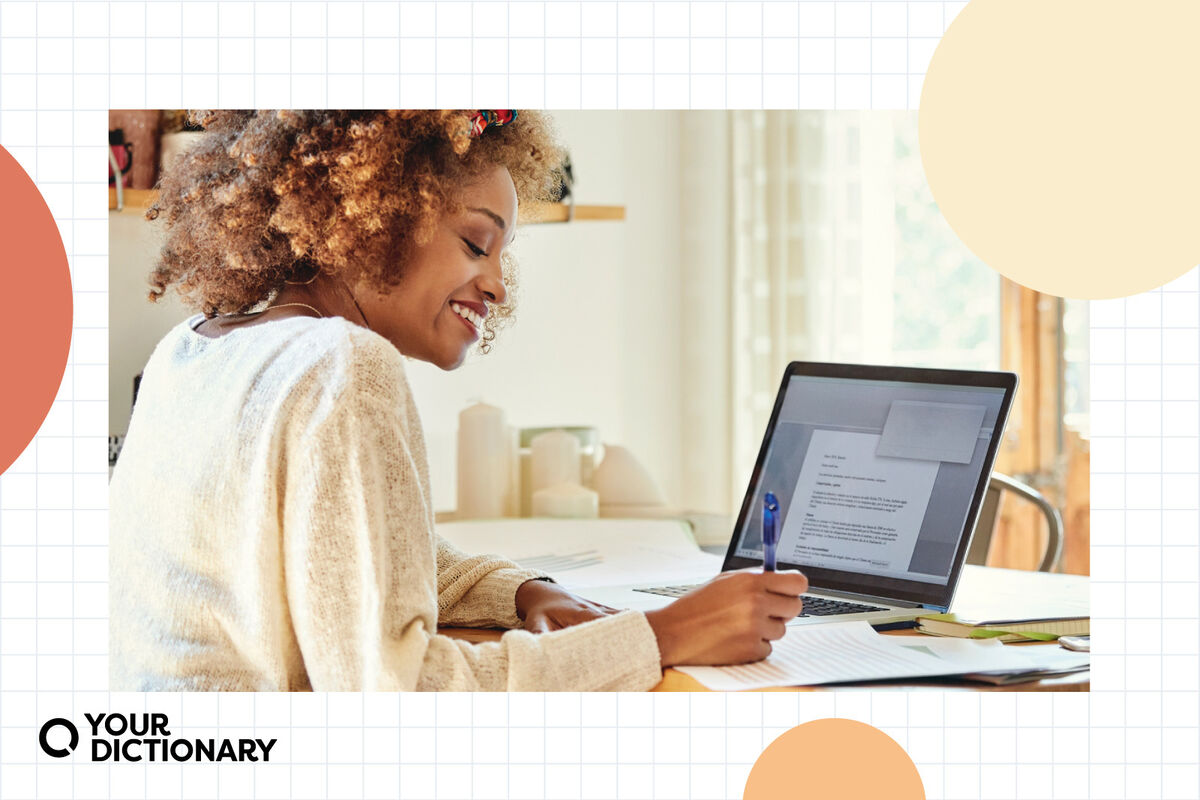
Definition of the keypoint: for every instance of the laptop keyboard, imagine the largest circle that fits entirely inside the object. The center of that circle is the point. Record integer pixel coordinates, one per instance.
(813, 606)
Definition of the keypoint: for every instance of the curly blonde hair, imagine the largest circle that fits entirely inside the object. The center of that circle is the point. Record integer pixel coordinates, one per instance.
(267, 197)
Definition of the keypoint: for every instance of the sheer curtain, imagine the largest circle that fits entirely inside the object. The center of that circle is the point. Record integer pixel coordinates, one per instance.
(777, 209)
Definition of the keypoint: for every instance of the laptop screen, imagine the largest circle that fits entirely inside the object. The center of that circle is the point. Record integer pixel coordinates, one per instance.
(873, 477)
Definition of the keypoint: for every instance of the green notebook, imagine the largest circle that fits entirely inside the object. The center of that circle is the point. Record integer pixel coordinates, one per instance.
(1013, 630)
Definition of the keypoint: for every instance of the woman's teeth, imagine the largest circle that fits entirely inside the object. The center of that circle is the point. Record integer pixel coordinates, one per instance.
(467, 314)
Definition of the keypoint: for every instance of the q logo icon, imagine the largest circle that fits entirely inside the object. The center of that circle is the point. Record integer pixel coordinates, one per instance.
(44, 738)
(825, 758)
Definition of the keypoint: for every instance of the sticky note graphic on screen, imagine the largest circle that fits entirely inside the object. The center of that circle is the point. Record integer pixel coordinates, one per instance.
(931, 431)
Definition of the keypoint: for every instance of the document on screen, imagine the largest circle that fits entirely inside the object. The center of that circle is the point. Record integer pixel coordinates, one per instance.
(853, 509)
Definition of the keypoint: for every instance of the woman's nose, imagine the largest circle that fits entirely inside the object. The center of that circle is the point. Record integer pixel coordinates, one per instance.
(491, 283)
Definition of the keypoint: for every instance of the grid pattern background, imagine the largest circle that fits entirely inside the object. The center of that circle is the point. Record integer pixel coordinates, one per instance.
(62, 65)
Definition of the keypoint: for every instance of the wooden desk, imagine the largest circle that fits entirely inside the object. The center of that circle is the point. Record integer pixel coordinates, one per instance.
(675, 681)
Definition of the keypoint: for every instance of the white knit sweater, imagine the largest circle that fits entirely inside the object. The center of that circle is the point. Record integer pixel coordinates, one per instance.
(271, 529)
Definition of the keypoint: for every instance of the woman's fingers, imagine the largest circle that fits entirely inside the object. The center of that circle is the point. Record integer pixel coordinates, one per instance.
(790, 583)
(774, 629)
(781, 606)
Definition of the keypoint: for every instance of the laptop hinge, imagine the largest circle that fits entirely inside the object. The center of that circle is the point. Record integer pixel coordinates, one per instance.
(867, 598)
(937, 608)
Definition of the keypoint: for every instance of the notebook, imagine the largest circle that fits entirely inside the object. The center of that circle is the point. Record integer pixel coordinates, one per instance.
(1004, 630)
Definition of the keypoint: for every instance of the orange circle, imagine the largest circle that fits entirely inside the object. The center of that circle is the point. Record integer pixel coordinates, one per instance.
(36, 325)
(838, 758)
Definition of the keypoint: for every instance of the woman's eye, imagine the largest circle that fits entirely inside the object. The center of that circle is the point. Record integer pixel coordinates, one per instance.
(477, 251)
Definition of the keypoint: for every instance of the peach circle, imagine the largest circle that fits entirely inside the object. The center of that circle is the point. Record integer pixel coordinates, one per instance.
(36, 324)
(1059, 141)
(839, 758)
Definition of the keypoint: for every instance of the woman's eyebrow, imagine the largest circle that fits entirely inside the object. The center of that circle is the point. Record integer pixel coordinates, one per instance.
(496, 218)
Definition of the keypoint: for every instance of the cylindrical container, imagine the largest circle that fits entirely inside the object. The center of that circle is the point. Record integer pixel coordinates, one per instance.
(555, 460)
(484, 462)
(512, 500)
(589, 441)
(566, 500)
(525, 469)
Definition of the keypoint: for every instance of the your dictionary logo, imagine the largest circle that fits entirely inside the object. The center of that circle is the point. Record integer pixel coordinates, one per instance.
(144, 737)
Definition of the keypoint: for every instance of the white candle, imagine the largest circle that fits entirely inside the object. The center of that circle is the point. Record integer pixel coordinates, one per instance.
(512, 500)
(555, 460)
(525, 479)
(484, 462)
(566, 500)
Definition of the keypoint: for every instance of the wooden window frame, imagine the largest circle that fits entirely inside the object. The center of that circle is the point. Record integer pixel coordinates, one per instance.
(1039, 449)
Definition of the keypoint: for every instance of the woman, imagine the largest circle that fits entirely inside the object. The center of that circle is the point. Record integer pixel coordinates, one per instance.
(271, 523)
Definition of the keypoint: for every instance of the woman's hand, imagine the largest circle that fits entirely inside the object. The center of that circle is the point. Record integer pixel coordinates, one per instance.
(545, 607)
(732, 619)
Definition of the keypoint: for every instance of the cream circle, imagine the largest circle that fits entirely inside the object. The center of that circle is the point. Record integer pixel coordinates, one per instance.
(1061, 141)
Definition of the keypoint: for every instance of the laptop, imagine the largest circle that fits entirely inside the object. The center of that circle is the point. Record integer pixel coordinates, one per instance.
(879, 474)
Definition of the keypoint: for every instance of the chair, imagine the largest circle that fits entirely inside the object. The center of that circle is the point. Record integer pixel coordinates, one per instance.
(985, 527)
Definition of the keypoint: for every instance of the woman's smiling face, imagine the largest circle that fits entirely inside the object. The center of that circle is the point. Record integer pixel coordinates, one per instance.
(436, 311)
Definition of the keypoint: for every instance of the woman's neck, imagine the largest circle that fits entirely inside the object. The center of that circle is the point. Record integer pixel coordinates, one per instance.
(324, 296)
(328, 294)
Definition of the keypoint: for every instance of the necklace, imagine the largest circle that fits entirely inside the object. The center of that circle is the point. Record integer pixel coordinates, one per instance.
(299, 305)
(354, 300)
(220, 320)
(360, 311)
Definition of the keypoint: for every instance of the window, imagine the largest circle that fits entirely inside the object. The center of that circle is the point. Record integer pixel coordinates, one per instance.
(1076, 398)
(947, 301)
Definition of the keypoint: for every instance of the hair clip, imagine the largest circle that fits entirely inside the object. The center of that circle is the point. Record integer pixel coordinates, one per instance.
(490, 119)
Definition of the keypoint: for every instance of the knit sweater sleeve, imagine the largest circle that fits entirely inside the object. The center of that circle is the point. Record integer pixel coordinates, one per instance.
(478, 591)
(365, 577)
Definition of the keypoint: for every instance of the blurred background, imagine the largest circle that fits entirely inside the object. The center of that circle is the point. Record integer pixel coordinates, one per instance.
(704, 251)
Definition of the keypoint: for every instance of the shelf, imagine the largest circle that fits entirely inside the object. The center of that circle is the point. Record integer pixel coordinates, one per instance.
(539, 213)
(135, 199)
(138, 200)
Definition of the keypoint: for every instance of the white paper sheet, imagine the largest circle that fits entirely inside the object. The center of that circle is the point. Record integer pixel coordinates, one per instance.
(932, 431)
(588, 553)
(1051, 657)
(853, 510)
(989, 594)
(853, 651)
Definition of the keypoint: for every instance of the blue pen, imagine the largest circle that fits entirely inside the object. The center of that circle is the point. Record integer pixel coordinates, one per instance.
(770, 531)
